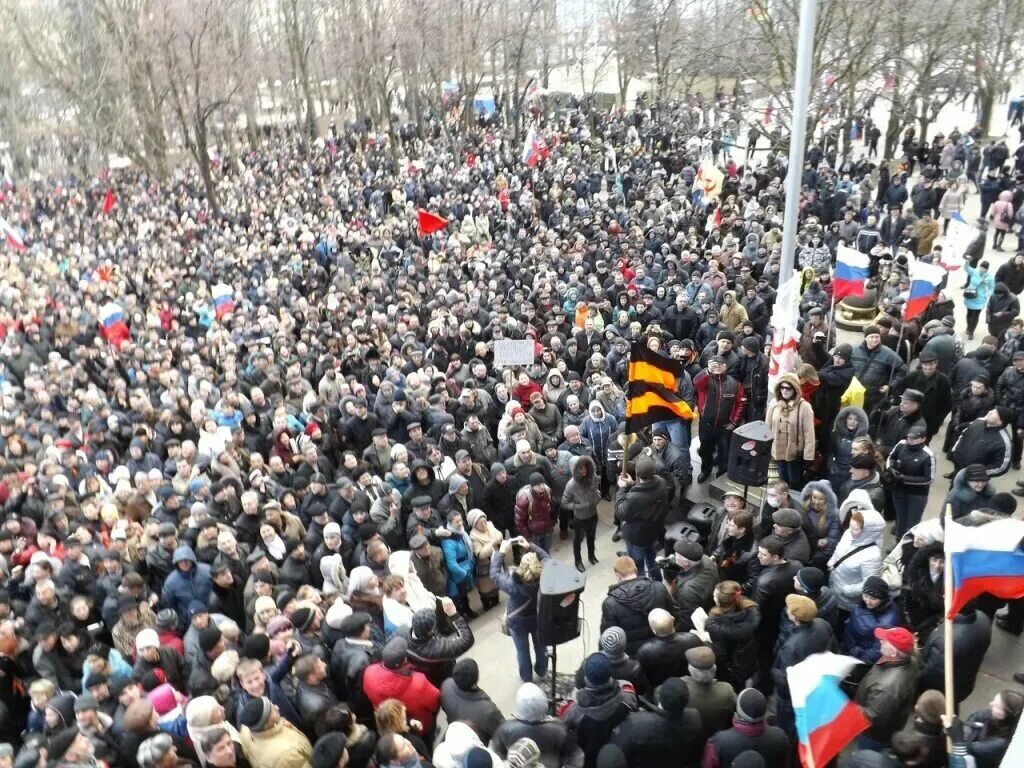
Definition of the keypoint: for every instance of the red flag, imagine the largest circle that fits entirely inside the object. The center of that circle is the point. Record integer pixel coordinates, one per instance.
(109, 201)
(430, 222)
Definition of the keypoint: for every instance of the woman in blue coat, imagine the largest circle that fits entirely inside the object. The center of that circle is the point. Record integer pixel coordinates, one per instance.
(980, 285)
(875, 611)
(458, 559)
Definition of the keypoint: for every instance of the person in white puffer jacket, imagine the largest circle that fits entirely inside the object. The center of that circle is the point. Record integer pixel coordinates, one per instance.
(859, 552)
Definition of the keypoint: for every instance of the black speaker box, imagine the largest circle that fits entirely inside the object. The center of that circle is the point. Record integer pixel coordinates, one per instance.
(750, 453)
(558, 603)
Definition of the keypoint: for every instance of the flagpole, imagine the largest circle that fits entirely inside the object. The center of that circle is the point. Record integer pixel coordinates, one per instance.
(947, 629)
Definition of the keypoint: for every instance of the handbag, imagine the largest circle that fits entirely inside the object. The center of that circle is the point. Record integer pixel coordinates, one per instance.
(503, 619)
(970, 293)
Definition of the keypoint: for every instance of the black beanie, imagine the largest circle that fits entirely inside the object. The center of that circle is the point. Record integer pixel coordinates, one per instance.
(328, 750)
(466, 674)
(209, 636)
(256, 647)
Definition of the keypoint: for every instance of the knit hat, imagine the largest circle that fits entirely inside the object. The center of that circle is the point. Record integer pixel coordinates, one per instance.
(875, 586)
(749, 344)
(802, 607)
(61, 742)
(1005, 414)
(302, 618)
(613, 642)
(844, 351)
(749, 759)
(928, 356)
(536, 478)
(674, 695)
(787, 518)
(328, 750)
(86, 702)
(256, 713)
(751, 706)
(898, 637)
(337, 614)
(863, 461)
(690, 550)
(423, 622)
(466, 674)
(523, 446)
(496, 469)
(395, 652)
(277, 625)
(166, 619)
(209, 636)
(700, 657)
(597, 669)
(531, 703)
(455, 482)
(147, 638)
(975, 472)
(478, 757)
(930, 707)
(872, 330)
(256, 647)
(524, 753)
(810, 579)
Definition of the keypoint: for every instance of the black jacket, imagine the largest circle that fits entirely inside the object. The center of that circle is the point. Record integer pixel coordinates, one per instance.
(938, 397)
(627, 606)
(474, 707)
(349, 659)
(813, 637)
(642, 509)
(595, 714)
(734, 641)
(922, 598)
(982, 444)
(894, 427)
(665, 657)
(913, 467)
(737, 561)
(769, 741)
(557, 744)
(972, 634)
(655, 739)
(435, 656)
(692, 590)
(773, 584)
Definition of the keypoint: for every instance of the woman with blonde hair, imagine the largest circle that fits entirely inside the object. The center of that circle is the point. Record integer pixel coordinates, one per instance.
(392, 719)
(521, 584)
(732, 625)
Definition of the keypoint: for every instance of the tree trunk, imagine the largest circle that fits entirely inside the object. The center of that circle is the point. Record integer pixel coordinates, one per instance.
(986, 105)
(203, 158)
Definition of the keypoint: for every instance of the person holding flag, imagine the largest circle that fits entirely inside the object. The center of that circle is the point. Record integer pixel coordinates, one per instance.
(886, 694)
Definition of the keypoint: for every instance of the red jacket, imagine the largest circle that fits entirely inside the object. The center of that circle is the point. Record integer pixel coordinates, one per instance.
(421, 698)
(171, 640)
(720, 401)
(536, 517)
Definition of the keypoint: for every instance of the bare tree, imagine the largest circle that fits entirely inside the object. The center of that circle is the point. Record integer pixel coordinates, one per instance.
(202, 47)
(995, 48)
(300, 20)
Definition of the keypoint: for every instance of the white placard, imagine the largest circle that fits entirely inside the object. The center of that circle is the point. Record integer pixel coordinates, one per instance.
(509, 352)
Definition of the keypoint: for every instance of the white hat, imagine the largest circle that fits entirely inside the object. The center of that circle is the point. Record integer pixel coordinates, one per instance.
(523, 445)
(147, 638)
(332, 529)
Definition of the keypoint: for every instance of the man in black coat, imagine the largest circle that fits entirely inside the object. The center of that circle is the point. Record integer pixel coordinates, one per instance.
(668, 735)
(986, 441)
(641, 507)
(972, 633)
(750, 732)
(351, 655)
(774, 583)
(630, 601)
(936, 389)
(664, 655)
(432, 653)
(810, 635)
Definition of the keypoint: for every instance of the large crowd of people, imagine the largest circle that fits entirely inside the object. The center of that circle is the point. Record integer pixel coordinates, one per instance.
(254, 527)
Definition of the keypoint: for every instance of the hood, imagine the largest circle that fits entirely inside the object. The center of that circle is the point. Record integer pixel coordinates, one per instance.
(183, 553)
(460, 738)
(1006, 196)
(555, 373)
(577, 464)
(596, 406)
(531, 703)
(862, 417)
(636, 594)
(64, 705)
(1001, 289)
(859, 499)
(874, 526)
(793, 381)
(825, 488)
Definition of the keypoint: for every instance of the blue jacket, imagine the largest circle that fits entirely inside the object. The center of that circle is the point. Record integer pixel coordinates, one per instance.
(458, 558)
(181, 587)
(859, 638)
(983, 284)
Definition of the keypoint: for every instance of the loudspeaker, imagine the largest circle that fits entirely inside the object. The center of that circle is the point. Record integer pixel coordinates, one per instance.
(700, 517)
(558, 603)
(750, 453)
(681, 531)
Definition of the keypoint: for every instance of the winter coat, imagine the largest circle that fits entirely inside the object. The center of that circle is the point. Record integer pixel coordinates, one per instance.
(737, 561)
(473, 706)
(877, 368)
(792, 424)
(582, 493)
(720, 400)
(951, 203)
(521, 607)
(535, 512)
(664, 656)
(769, 741)
(972, 633)
(485, 544)
(181, 588)
(912, 467)
(436, 654)
(1001, 211)
(842, 444)
(556, 744)
(814, 636)
(280, 746)
(983, 744)
(693, 589)
(938, 397)
(734, 641)
(642, 508)
(856, 559)
(983, 284)
(859, 638)
(922, 599)
(655, 738)
(598, 430)
(412, 688)
(627, 606)
(460, 564)
(828, 528)
(886, 695)
(594, 715)
(982, 444)
(894, 426)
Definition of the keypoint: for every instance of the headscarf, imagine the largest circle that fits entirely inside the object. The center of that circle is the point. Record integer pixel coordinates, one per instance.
(199, 716)
(359, 579)
(416, 595)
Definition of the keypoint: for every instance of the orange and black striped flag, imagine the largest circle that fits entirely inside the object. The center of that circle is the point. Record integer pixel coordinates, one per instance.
(652, 389)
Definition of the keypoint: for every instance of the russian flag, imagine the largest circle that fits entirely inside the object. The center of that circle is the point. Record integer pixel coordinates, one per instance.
(851, 273)
(112, 324)
(13, 236)
(987, 559)
(223, 300)
(534, 149)
(826, 721)
(924, 284)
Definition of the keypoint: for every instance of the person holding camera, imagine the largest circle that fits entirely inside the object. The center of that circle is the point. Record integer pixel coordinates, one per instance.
(522, 584)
